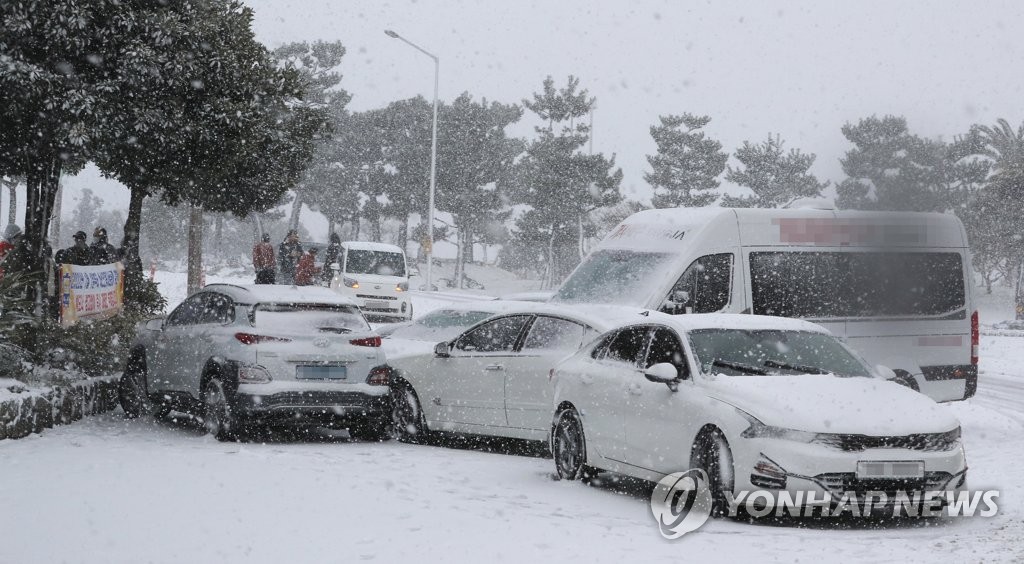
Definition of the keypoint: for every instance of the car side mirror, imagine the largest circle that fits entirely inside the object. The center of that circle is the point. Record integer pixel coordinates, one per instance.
(664, 373)
(885, 372)
(441, 350)
(155, 325)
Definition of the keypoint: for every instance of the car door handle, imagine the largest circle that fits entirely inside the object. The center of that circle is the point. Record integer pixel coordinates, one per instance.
(206, 336)
(494, 367)
(635, 389)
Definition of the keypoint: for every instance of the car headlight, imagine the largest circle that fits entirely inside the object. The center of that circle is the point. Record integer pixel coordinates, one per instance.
(402, 287)
(759, 430)
(350, 282)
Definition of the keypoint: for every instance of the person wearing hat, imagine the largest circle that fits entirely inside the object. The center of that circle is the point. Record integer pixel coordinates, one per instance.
(263, 261)
(78, 254)
(307, 271)
(288, 254)
(102, 251)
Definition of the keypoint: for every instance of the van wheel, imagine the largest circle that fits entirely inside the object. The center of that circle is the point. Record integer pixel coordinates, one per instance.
(904, 378)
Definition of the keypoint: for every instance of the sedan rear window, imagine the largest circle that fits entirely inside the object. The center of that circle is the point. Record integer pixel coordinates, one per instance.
(326, 318)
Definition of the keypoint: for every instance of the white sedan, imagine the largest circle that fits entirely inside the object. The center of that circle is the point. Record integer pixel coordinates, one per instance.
(493, 378)
(247, 356)
(759, 403)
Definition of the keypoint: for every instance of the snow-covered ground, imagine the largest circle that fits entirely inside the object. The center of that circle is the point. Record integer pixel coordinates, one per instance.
(110, 490)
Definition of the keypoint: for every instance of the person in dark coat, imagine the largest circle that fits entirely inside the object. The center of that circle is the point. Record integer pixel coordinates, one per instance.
(288, 254)
(263, 261)
(332, 256)
(102, 251)
(78, 254)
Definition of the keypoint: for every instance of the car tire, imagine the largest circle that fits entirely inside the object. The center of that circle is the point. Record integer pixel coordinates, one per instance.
(218, 416)
(131, 391)
(407, 418)
(569, 447)
(713, 455)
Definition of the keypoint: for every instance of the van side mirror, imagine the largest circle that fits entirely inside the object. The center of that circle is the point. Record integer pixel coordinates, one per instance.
(677, 302)
(441, 350)
(664, 373)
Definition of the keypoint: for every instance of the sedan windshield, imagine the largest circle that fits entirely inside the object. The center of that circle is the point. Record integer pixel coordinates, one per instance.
(613, 277)
(299, 318)
(383, 263)
(766, 352)
(440, 325)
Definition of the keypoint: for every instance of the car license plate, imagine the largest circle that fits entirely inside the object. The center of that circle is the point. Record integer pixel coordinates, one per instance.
(320, 372)
(376, 304)
(868, 470)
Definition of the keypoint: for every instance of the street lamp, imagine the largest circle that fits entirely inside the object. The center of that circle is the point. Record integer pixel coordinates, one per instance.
(433, 156)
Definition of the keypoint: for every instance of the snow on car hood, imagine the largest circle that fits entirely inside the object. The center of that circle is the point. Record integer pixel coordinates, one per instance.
(830, 404)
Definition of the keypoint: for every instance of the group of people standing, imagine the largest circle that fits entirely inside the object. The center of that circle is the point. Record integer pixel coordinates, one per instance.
(291, 264)
(15, 255)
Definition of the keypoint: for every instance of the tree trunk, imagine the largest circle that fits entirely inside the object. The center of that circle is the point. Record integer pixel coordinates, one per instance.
(12, 211)
(133, 229)
(549, 274)
(403, 233)
(195, 250)
(55, 216)
(293, 220)
(460, 256)
(582, 251)
(218, 234)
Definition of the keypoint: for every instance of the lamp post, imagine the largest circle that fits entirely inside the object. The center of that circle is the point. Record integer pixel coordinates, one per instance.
(433, 156)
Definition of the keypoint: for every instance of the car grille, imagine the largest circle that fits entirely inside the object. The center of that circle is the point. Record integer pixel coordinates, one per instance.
(839, 483)
(369, 297)
(921, 441)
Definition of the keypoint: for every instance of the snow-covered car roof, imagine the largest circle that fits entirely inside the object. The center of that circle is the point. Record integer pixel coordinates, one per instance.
(600, 317)
(370, 246)
(278, 293)
(696, 321)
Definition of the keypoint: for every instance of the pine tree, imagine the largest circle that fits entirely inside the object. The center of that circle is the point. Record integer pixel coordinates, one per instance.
(774, 175)
(687, 165)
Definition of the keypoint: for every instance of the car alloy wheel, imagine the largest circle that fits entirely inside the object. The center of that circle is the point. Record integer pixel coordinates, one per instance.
(715, 458)
(217, 416)
(568, 446)
(131, 394)
(407, 416)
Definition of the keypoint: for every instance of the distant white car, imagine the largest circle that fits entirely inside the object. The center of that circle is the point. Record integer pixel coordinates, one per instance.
(493, 378)
(376, 277)
(249, 356)
(759, 403)
(442, 324)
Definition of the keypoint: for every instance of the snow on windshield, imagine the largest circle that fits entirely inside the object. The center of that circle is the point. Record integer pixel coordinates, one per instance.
(299, 318)
(614, 277)
(761, 352)
(383, 263)
(440, 325)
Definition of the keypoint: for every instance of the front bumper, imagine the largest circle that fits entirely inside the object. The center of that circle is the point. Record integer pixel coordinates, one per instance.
(326, 408)
(825, 475)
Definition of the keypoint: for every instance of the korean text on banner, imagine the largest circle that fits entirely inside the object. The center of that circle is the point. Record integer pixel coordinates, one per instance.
(90, 292)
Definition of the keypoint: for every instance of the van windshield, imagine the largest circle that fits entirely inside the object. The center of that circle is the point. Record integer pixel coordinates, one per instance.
(383, 263)
(614, 276)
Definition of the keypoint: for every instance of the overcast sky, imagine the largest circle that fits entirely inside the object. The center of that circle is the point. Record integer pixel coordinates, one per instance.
(798, 69)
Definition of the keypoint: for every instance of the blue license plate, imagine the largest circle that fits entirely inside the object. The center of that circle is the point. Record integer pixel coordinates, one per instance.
(320, 372)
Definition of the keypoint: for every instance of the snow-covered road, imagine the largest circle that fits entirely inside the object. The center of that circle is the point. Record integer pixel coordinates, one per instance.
(110, 490)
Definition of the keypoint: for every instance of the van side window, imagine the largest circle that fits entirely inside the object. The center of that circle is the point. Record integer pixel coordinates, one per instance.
(707, 283)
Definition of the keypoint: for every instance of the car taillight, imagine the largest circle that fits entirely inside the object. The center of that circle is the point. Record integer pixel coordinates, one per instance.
(379, 376)
(366, 342)
(252, 339)
(975, 338)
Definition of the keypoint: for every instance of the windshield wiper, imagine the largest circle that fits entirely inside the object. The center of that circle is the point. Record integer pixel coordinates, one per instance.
(334, 330)
(746, 368)
(797, 367)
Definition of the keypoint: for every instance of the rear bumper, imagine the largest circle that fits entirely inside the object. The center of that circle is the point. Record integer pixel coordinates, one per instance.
(313, 407)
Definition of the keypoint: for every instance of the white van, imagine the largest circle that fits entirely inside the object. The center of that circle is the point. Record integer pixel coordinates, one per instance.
(894, 285)
(376, 277)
